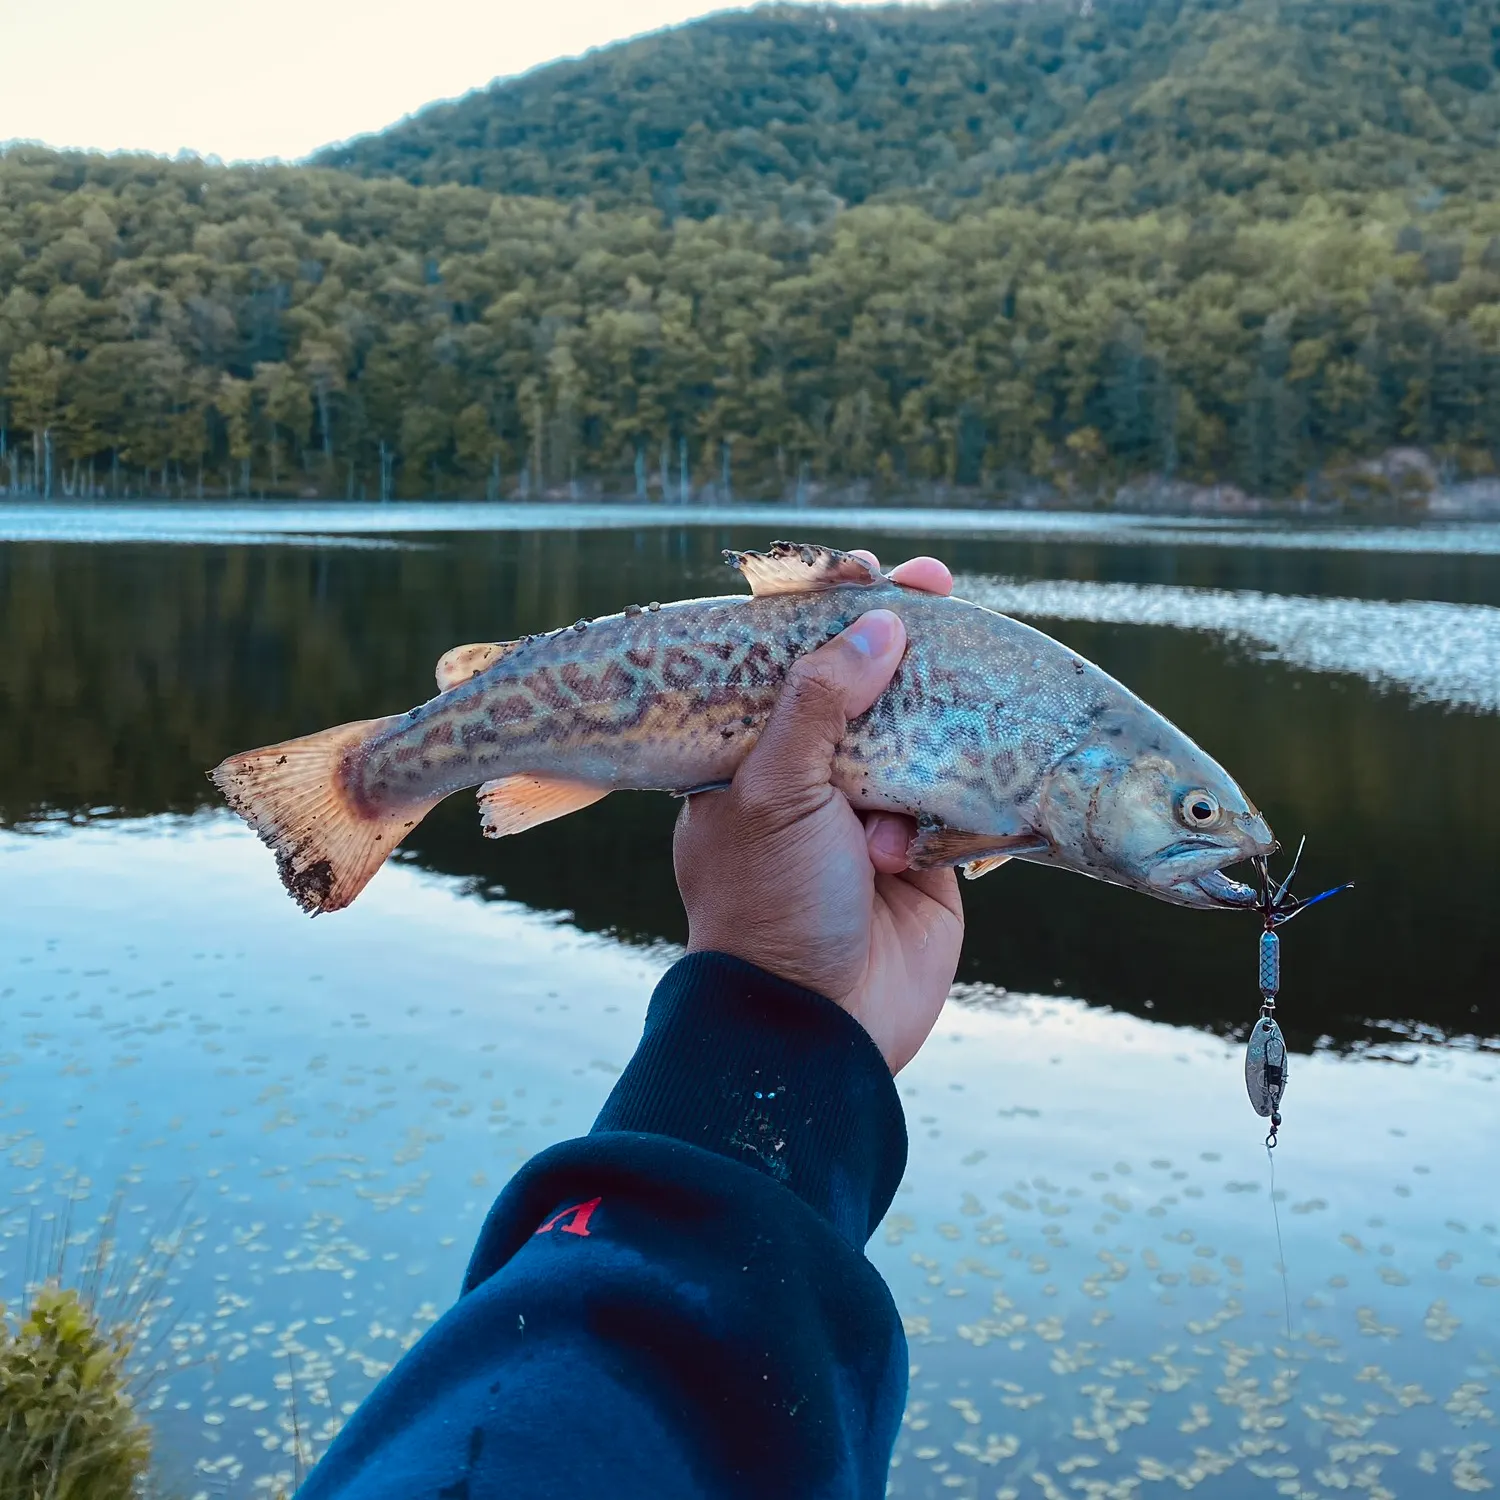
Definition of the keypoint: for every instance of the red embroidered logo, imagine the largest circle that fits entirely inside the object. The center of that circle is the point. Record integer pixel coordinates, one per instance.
(578, 1215)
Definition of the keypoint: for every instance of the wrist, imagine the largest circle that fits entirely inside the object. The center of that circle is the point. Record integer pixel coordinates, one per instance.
(737, 1060)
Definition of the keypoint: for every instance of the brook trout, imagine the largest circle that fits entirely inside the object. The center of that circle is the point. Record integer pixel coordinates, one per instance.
(999, 741)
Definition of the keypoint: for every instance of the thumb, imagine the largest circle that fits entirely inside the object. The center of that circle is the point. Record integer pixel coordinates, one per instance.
(823, 691)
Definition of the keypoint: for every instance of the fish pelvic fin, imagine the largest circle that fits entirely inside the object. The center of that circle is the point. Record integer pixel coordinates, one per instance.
(979, 853)
(801, 568)
(295, 796)
(516, 803)
(464, 662)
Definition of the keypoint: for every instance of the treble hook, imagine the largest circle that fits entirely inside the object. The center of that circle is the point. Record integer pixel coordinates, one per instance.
(1266, 1053)
(1277, 905)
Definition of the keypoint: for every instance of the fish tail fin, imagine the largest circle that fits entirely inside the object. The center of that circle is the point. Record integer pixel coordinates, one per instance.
(295, 796)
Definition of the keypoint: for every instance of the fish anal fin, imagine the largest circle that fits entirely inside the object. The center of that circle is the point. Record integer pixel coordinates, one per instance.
(935, 847)
(294, 795)
(464, 662)
(517, 803)
(801, 568)
(977, 867)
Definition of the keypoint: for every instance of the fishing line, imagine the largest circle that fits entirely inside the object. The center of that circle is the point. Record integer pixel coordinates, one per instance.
(1265, 1053)
(1286, 1296)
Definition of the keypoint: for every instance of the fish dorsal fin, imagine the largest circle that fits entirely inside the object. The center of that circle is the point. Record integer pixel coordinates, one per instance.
(936, 847)
(800, 568)
(464, 662)
(517, 803)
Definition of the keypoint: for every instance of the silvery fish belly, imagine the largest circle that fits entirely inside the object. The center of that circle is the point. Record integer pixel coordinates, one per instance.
(997, 740)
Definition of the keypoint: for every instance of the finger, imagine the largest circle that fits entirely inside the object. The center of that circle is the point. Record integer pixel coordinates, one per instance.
(867, 556)
(937, 885)
(887, 838)
(823, 691)
(925, 573)
(705, 804)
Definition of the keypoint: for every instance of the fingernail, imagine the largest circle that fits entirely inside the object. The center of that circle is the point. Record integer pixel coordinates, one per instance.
(873, 634)
(888, 835)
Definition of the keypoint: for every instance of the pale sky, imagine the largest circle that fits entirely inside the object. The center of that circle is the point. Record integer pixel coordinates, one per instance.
(279, 77)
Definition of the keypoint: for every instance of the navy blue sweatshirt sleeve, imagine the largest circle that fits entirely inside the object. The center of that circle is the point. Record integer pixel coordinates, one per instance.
(678, 1304)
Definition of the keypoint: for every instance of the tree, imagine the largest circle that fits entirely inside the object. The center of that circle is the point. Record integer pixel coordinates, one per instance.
(232, 400)
(323, 369)
(475, 444)
(34, 388)
(287, 407)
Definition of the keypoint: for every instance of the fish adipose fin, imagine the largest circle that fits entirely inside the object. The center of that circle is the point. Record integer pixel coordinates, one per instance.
(294, 796)
(800, 568)
(464, 662)
(517, 803)
(935, 847)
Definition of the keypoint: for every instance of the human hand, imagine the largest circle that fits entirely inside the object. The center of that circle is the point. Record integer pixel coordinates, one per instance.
(779, 870)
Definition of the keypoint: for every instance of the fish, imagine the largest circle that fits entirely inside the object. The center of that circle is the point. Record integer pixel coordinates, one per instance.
(998, 741)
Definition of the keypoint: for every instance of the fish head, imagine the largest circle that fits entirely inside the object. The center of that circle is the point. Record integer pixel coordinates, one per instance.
(1139, 804)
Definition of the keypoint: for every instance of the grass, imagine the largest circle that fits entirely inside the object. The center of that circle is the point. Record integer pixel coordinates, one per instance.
(69, 1429)
(74, 1364)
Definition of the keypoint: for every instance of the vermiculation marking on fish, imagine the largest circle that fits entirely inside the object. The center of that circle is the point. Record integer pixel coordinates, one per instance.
(997, 739)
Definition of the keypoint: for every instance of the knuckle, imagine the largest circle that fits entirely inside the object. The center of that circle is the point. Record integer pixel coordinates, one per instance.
(813, 693)
(761, 796)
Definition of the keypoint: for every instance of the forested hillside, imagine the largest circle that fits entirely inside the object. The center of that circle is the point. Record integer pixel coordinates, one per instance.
(1115, 106)
(179, 327)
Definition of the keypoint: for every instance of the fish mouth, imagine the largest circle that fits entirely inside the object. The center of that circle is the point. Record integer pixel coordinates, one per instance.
(1217, 889)
(1210, 888)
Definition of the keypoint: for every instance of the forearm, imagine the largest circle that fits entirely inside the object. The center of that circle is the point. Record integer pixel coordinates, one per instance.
(678, 1303)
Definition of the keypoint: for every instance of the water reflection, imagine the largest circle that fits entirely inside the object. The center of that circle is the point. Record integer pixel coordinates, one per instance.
(128, 669)
(1442, 653)
(1083, 1248)
(176, 521)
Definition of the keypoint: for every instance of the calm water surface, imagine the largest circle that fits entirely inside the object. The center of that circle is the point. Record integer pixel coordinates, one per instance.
(1084, 1248)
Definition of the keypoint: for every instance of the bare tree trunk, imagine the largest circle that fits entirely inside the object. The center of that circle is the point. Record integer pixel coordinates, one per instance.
(537, 477)
(323, 420)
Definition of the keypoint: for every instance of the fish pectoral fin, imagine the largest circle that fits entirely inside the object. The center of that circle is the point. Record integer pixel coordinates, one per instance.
(979, 853)
(801, 568)
(517, 803)
(464, 662)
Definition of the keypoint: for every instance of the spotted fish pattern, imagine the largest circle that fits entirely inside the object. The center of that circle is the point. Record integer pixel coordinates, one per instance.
(672, 697)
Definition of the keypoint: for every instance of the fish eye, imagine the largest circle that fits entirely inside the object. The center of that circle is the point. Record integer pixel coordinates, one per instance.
(1199, 808)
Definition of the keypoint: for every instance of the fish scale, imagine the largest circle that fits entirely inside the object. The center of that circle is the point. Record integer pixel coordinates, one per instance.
(998, 740)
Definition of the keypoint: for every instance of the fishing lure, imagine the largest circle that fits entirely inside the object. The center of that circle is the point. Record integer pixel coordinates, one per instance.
(1265, 1054)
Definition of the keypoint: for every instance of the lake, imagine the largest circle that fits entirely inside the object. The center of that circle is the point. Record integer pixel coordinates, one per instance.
(310, 1119)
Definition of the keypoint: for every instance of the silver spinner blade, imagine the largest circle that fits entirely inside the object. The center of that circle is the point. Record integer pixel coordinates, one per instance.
(1265, 1067)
